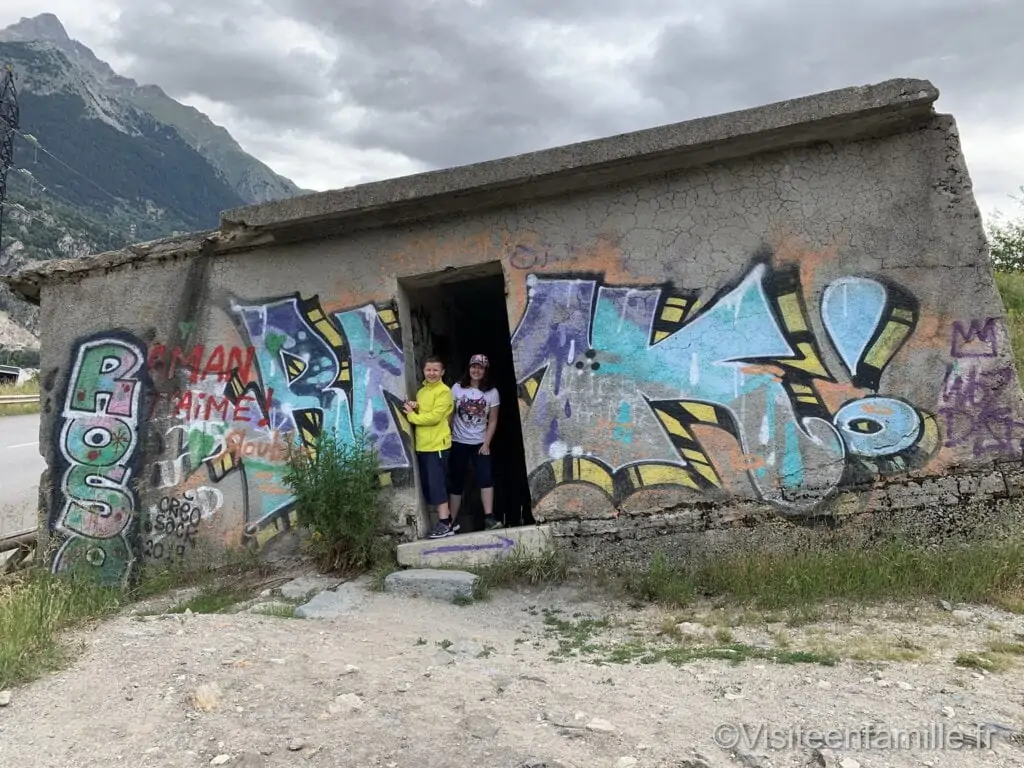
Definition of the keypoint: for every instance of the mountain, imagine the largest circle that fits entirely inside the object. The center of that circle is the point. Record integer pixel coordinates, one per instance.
(251, 179)
(101, 162)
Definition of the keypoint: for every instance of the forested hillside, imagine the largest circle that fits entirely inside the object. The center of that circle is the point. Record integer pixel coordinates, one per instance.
(101, 162)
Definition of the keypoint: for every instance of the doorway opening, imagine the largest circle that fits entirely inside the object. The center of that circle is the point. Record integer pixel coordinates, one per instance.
(453, 315)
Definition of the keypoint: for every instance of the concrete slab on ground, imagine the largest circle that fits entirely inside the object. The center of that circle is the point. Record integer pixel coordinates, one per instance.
(430, 583)
(306, 586)
(332, 603)
(477, 548)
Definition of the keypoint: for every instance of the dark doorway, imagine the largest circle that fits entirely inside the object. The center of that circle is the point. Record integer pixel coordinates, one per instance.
(453, 315)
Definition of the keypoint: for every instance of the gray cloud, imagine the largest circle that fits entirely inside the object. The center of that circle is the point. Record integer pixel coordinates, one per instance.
(458, 81)
(971, 49)
(450, 83)
(184, 52)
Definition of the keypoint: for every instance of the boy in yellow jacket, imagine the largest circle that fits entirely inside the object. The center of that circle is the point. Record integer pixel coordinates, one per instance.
(431, 414)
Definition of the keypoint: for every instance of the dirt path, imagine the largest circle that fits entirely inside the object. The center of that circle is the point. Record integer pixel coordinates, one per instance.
(411, 683)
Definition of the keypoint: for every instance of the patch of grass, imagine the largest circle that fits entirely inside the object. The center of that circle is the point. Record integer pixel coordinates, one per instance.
(1008, 649)
(987, 662)
(212, 599)
(384, 567)
(991, 572)
(30, 387)
(36, 606)
(723, 635)
(521, 567)
(1011, 289)
(670, 628)
(462, 600)
(35, 609)
(781, 639)
(239, 564)
(885, 650)
(661, 583)
(277, 610)
(735, 653)
(574, 635)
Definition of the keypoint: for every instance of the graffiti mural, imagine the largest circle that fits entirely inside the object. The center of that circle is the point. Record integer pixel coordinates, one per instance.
(979, 393)
(303, 373)
(620, 381)
(95, 505)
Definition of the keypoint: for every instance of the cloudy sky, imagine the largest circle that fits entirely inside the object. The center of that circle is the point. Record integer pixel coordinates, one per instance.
(337, 92)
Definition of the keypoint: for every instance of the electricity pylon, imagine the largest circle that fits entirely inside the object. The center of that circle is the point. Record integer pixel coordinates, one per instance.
(9, 117)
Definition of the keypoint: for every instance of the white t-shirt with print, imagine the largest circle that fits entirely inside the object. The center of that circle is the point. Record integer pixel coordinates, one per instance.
(472, 407)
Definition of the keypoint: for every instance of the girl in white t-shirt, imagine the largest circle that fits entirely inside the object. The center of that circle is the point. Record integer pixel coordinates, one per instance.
(473, 423)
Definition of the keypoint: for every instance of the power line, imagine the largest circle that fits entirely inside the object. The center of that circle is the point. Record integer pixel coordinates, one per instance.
(46, 189)
(33, 140)
(53, 193)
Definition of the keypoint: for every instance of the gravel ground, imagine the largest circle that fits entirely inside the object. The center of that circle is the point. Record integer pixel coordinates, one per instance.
(402, 681)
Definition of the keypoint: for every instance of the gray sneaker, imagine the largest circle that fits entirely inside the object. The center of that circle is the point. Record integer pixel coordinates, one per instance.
(442, 529)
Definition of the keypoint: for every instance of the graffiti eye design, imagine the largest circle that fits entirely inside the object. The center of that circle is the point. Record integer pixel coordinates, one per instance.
(864, 426)
(97, 437)
(878, 426)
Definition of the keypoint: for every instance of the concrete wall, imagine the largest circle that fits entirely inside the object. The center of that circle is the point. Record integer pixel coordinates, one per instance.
(735, 348)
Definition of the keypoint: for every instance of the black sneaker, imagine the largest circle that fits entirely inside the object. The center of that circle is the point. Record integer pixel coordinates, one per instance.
(491, 522)
(442, 529)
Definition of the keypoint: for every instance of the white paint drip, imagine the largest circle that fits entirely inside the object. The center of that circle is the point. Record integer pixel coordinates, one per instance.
(572, 352)
(368, 409)
(209, 506)
(765, 433)
(558, 450)
(694, 369)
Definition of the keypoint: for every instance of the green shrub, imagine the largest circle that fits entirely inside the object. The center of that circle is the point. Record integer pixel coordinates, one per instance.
(338, 498)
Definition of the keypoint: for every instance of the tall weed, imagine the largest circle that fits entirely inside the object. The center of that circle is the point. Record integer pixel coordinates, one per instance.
(338, 498)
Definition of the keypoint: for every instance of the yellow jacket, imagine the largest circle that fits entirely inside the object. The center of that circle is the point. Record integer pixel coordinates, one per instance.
(433, 430)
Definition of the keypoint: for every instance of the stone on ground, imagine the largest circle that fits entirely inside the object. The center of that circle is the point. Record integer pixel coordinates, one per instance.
(435, 584)
(305, 586)
(327, 605)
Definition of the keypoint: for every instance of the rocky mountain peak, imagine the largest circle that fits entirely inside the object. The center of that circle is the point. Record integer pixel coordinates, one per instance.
(45, 27)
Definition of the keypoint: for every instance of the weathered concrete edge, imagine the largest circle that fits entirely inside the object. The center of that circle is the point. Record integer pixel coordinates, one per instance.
(824, 110)
(27, 282)
(845, 114)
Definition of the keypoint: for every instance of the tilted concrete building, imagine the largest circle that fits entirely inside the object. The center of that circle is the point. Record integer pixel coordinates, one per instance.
(773, 326)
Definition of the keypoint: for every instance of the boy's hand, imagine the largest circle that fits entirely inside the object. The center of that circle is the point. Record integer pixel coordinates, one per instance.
(485, 450)
(410, 406)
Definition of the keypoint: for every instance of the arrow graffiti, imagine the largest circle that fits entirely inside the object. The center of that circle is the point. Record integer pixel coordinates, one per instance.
(503, 544)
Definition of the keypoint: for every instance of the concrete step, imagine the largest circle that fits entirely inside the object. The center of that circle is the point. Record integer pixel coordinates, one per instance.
(477, 548)
(430, 583)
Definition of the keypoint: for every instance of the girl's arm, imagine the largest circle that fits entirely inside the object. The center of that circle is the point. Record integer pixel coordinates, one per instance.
(492, 425)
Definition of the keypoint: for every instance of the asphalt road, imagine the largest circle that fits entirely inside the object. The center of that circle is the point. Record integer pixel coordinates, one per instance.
(20, 468)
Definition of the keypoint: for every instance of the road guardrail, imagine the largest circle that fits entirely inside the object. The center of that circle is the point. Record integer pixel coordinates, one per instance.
(11, 399)
(17, 551)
